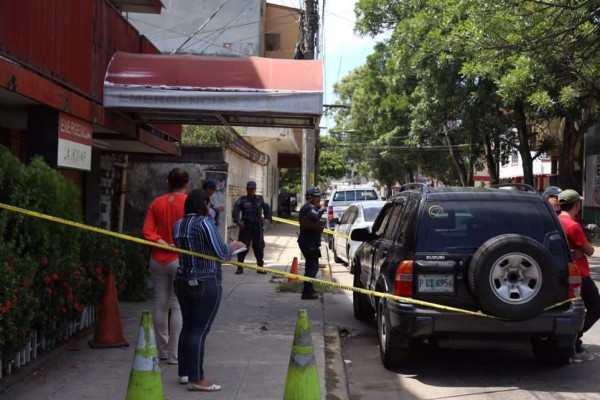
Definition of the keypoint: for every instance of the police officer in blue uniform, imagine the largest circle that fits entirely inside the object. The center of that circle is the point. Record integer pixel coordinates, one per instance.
(251, 223)
(309, 241)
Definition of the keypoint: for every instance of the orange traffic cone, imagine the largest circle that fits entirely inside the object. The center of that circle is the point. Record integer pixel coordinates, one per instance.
(294, 270)
(109, 332)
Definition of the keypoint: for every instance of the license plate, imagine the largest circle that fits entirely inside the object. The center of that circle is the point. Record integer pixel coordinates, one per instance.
(442, 283)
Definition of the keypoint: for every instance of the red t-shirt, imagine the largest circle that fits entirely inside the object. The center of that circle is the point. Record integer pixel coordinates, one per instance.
(162, 214)
(576, 239)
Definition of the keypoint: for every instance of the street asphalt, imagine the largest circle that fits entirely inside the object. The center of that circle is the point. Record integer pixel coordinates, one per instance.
(247, 351)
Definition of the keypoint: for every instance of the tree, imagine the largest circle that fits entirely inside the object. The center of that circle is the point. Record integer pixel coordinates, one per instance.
(204, 135)
(291, 179)
(422, 71)
(474, 71)
(333, 162)
(543, 57)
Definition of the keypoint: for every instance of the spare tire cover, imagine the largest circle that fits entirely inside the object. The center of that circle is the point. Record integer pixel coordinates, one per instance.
(513, 277)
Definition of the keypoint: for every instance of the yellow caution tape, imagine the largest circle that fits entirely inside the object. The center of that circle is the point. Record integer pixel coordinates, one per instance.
(296, 223)
(257, 268)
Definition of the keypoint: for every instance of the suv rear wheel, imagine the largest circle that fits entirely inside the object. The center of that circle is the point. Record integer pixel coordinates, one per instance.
(393, 351)
(363, 311)
(513, 277)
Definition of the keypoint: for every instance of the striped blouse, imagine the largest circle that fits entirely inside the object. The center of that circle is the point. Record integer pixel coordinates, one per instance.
(199, 234)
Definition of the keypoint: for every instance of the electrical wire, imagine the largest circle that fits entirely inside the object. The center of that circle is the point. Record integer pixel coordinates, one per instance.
(201, 26)
(240, 14)
(197, 39)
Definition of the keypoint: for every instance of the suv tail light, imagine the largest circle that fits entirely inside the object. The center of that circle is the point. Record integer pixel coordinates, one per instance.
(404, 279)
(574, 281)
(329, 215)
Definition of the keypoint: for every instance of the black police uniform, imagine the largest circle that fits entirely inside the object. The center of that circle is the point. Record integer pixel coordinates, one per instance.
(309, 242)
(252, 209)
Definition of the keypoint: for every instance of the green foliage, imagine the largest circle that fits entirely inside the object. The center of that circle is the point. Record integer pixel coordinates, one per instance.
(203, 135)
(135, 261)
(465, 73)
(49, 272)
(333, 161)
(19, 299)
(290, 178)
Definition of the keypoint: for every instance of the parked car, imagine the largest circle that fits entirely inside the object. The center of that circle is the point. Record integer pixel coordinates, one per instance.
(500, 252)
(515, 186)
(342, 197)
(358, 215)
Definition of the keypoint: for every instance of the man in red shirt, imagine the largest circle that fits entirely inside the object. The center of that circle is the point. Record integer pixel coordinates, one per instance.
(162, 214)
(570, 205)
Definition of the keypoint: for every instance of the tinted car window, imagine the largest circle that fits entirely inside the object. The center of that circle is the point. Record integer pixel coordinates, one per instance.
(352, 215)
(369, 214)
(395, 221)
(409, 210)
(347, 215)
(355, 195)
(382, 219)
(366, 195)
(469, 224)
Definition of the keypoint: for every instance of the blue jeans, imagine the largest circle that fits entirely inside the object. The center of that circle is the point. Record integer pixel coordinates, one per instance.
(199, 297)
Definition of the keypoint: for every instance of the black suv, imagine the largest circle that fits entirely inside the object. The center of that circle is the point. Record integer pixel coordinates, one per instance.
(498, 252)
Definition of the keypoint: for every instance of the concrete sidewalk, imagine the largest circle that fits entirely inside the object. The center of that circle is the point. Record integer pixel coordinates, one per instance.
(248, 349)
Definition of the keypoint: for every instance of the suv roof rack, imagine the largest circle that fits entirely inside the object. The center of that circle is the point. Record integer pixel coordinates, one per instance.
(423, 187)
(523, 187)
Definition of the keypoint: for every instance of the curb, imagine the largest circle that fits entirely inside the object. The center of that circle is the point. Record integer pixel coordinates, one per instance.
(336, 382)
(336, 379)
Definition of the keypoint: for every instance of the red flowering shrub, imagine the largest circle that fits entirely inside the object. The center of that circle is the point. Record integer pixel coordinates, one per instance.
(18, 299)
(49, 272)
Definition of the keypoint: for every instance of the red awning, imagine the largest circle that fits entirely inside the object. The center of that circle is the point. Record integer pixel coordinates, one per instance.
(251, 91)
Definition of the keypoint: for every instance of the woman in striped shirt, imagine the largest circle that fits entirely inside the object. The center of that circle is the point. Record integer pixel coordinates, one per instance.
(198, 286)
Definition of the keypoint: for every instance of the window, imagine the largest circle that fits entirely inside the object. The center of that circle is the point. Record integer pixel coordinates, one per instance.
(348, 216)
(469, 224)
(409, 212)
(395, 221)
(381, 222)
(273, 41)
(514, 157)
(370, 213)
(353, 215)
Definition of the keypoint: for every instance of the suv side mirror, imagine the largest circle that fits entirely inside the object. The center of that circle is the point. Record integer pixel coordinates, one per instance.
(361, 235)
(335, 221)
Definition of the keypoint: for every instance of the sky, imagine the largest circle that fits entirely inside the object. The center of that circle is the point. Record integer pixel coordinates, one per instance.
(342, 50)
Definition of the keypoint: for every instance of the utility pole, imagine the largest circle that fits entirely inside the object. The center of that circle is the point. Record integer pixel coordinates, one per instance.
(310, 28)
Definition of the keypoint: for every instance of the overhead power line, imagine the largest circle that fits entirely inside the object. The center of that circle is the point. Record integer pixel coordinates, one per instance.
(384, 147)
(200, 27)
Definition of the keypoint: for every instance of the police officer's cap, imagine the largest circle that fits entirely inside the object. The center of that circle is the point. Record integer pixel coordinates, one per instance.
(552, 191)
(251, 185)
(313, 192)
(209, 184)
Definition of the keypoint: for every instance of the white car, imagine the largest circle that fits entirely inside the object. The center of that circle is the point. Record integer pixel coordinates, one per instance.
(357, 215)
(342, 197)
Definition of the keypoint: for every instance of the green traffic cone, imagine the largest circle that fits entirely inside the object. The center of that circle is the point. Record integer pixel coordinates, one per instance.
(145, 381)
(302, 381)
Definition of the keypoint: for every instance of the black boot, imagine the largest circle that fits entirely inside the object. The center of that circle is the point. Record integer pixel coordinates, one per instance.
(239, 270)
(260, 265)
